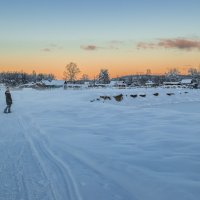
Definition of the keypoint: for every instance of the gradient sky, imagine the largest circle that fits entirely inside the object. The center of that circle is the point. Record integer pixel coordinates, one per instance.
(124, 36)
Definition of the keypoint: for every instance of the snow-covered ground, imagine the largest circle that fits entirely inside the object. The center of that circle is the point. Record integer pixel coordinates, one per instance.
(57, 145)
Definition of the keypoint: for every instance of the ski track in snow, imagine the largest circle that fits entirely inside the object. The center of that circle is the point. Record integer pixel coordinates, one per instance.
(20, 173)
(51, 164)
(67, 185)
(56, 174)
(53, 172)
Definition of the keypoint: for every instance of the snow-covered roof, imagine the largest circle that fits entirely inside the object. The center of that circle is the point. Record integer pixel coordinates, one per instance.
(86, 83)
(53, 82)
(112, 83)
(171, 83)
(186, 81)
(149, 83)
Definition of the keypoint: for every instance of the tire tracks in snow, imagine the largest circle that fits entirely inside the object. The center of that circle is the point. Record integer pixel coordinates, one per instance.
(62, 181)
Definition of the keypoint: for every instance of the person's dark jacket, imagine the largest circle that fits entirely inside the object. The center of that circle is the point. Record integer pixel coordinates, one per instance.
(8, 98)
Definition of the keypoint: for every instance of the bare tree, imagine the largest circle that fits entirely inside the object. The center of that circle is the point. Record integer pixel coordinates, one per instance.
(71, 72)
(34, 75)
(17, 78)
(148, 72)
(85, 77)
(193, 72)
(173, 72)
(104, 77)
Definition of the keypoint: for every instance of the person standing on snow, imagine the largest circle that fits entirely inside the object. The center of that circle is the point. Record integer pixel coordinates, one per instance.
(8, 101)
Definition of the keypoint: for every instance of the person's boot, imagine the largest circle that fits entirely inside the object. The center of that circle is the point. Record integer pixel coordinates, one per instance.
(9, 111)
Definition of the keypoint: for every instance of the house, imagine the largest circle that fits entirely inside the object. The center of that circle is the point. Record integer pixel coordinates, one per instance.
(150, 84)
(171, 84)
(189, 83)
(53, 83)
(119, 84)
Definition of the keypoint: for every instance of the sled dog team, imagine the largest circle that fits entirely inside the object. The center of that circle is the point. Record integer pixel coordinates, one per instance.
(8, 101)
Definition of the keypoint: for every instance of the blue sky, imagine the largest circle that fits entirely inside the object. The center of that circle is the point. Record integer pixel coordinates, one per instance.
(111, 19)
(67, 28)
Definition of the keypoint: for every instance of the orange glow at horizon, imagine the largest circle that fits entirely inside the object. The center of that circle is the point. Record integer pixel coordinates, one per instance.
(113, 71)
(118, 63)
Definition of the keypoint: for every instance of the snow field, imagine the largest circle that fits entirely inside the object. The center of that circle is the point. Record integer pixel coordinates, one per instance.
(58, 145)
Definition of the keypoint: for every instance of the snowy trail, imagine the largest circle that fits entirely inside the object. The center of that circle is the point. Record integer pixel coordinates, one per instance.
(35, 172)
(24, 159)
(61, 179)
(63, 182)
(20, 174)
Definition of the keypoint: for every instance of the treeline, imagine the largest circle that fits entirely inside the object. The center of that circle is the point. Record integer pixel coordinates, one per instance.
(16, 78)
